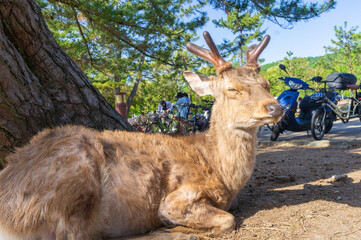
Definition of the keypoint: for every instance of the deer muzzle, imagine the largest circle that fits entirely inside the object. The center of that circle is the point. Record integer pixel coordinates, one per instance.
(275, 109)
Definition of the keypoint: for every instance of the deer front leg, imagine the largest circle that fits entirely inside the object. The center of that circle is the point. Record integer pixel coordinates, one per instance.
(187, 208)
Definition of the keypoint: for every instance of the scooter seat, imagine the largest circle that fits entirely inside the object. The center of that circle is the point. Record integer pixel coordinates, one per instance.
(353, 87)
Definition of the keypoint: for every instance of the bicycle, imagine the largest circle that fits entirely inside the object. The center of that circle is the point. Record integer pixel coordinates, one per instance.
(140, 124)
(161, 123)
(138, 128)
(197, 120)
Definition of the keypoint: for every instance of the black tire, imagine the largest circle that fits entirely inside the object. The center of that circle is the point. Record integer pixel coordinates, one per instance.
(329, 125)
(318, 125)
(275, 133)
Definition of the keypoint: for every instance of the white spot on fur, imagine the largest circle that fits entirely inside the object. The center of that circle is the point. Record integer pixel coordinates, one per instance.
(4, 235)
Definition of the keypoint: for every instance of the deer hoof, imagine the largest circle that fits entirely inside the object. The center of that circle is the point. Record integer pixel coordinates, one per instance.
(226, 225)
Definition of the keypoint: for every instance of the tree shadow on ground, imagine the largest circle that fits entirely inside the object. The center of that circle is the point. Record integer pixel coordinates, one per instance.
(309, 171)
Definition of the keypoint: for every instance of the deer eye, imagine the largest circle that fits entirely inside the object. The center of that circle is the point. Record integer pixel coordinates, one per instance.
(232, 92)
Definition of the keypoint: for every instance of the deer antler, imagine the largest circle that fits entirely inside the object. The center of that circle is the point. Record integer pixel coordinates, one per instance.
(211, 55)
(255, 50)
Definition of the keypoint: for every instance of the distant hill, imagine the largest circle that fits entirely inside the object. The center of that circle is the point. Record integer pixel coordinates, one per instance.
(312, 60)
(269, 65)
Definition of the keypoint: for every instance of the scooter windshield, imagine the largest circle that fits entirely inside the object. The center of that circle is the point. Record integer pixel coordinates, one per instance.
(296, 83)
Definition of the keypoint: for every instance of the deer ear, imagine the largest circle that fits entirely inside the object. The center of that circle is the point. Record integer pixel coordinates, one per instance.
(200, 84)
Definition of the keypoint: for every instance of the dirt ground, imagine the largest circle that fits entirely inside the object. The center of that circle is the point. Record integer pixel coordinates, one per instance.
(293, 195)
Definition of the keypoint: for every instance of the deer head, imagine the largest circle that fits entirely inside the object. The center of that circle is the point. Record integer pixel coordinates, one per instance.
(242, 96)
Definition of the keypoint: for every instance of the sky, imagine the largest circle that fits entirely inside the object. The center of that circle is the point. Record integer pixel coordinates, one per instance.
(305, 39)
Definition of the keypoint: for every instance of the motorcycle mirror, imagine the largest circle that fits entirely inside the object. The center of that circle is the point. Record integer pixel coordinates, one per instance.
(317, 79)
(283, 67)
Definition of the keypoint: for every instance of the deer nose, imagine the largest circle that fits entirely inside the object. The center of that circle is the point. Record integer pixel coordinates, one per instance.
(274, 109)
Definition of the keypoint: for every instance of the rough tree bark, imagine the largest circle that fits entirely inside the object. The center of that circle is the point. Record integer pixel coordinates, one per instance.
(40, 86)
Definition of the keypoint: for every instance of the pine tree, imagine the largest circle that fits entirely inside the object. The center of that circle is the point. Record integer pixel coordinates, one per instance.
(41, 86)
(246, 27)
(346, 48)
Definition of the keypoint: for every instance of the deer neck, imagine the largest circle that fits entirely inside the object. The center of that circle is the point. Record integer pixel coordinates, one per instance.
(233, 153)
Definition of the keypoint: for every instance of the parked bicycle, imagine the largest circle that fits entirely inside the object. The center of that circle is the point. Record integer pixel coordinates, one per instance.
(197, 121)
(339, 81)
(161, 123)
(140, 123)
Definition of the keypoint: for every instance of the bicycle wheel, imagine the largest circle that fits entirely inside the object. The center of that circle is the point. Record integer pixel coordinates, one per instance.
(156, 128)
(149, 129)
(318, 124)
(136, 128)
(164, 127)
(173, 127)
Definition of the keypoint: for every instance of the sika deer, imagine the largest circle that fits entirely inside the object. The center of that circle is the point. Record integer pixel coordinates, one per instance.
(77, 183)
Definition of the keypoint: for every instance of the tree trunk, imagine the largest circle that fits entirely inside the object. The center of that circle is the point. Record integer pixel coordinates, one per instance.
(136, 84)
(40, 86)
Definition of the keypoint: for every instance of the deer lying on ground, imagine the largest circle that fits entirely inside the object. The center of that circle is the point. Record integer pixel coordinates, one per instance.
(77, 183)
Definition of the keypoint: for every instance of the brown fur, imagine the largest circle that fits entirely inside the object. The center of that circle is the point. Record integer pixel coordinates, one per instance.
(76, 183)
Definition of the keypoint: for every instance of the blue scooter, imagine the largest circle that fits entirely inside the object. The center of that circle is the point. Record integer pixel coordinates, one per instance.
(288, 99)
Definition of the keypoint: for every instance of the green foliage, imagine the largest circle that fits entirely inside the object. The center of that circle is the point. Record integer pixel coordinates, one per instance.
(267, 66)
(347, 48)
(163, 84)
(272, 74)
(282, 12)
(246, 27)
(109, 39)
(107, 89)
